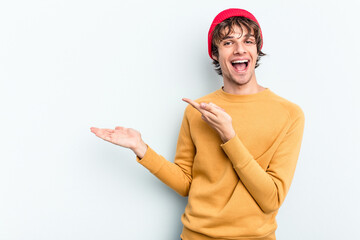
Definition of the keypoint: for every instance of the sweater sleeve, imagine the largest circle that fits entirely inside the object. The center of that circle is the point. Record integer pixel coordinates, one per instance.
(268, 187)
(177, 175)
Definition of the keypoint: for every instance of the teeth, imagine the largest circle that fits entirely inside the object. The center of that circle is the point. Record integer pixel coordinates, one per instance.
(239, 61)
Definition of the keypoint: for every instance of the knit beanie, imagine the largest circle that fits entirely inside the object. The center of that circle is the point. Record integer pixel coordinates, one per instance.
(228, 13)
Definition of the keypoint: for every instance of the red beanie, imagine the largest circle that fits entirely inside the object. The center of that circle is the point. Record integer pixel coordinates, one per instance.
(228, 13)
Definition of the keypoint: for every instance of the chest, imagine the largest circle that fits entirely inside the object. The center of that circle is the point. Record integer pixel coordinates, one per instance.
(258, 127)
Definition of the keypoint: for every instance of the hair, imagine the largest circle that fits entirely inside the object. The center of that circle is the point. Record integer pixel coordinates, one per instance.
(225, 28)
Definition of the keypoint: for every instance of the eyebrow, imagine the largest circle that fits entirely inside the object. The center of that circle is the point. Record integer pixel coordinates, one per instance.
(246, 36)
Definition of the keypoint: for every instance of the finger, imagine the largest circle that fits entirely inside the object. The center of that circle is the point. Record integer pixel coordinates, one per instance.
(210, 107)
(221, 108)
(193, 103)
(108, 130)
(200, 107)
(108, 136)
(94, 129)
(209, 116)
(207, 110)
(216, 106)
(98, 131)
(102, 132)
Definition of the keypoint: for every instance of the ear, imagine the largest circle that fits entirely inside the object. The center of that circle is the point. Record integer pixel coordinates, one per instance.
(214, 57)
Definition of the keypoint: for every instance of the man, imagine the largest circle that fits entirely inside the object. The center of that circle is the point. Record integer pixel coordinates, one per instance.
(237, 148)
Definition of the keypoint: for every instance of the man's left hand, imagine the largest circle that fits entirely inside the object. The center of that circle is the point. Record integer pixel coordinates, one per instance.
(216, 117)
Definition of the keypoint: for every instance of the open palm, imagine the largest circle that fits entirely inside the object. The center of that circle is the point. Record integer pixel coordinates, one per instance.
(125, 137)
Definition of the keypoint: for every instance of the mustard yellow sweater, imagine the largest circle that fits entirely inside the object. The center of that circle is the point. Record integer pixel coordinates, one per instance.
(235, 188)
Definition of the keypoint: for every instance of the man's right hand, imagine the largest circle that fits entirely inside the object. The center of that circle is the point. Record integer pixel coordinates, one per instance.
(124, 137)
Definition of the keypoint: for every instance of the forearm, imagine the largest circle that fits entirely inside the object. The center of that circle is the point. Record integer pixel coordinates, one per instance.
(169, 173)
(267, 186)
(259, 184)
(177, 175)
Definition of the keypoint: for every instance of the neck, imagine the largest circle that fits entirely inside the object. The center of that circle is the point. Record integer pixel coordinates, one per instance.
(242, 89)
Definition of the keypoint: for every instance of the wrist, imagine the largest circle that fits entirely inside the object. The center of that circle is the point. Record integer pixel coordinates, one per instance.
(140, 149)
(228, 135)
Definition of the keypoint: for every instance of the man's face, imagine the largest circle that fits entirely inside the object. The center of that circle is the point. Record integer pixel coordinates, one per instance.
(237, 57)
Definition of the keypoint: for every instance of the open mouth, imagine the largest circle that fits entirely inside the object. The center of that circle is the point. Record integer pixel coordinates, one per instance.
(240, 65)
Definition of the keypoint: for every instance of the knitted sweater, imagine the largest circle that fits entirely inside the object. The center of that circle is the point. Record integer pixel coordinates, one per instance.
(234, 188)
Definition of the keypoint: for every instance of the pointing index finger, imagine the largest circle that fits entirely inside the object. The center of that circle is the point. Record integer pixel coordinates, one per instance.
(192, 103)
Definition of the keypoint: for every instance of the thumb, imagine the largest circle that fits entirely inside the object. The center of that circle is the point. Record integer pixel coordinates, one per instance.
(216, 106)
(221, 109)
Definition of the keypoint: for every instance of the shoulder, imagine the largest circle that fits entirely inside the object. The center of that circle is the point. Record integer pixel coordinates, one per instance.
(208, 97)
(293, 110)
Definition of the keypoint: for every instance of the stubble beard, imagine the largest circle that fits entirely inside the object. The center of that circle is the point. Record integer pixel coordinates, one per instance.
(234, 81)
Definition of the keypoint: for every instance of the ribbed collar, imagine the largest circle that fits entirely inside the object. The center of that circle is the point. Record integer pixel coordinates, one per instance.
(243, 98)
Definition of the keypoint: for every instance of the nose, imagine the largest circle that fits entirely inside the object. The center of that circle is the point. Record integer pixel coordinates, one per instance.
(239, 48)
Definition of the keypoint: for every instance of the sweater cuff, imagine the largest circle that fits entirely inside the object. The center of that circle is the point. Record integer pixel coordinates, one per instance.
(237, 152)
(151, 160)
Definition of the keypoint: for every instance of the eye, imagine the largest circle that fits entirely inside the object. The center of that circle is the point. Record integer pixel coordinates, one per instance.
(227, 43)
(250, 42)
